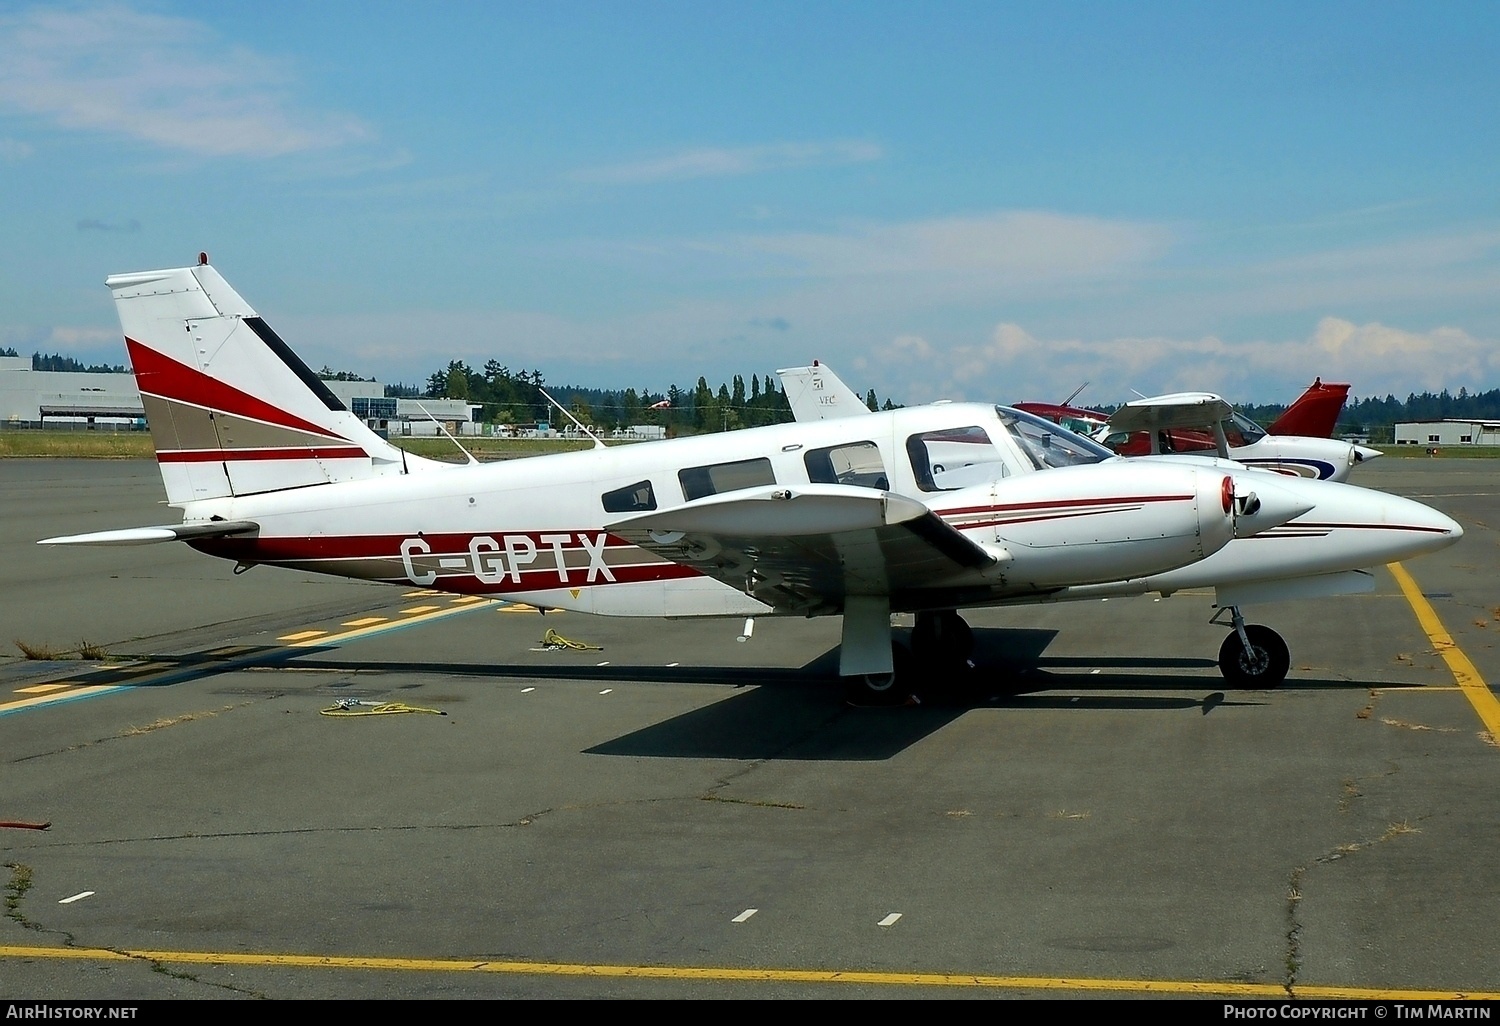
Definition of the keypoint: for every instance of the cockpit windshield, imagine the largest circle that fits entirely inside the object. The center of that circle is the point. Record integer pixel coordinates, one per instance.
(1240, 430)
(1047, 444)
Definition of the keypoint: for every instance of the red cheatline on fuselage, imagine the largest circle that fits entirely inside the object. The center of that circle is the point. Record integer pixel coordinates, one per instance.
(343, 452)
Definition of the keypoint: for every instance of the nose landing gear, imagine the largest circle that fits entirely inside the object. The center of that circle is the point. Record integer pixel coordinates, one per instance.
(1252, 656)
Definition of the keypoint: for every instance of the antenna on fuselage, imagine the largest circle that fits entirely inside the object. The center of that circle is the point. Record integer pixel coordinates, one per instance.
(597, 444)
(444, 430)
(1069, 400)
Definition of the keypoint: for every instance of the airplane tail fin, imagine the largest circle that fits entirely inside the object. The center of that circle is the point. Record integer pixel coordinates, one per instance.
(817, 393)
(1314, 414)
(232, 410)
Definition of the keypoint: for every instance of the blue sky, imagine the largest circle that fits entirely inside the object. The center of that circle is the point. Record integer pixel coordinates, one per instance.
(971, 201)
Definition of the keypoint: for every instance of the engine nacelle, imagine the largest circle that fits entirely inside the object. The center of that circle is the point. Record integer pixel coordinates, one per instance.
(1107, 522)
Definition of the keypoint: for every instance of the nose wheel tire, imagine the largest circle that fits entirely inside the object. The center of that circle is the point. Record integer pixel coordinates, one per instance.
(1263, 665)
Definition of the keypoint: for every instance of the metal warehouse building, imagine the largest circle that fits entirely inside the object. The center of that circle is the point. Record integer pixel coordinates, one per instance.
(1449, 432)
(30, 398)
(38, 397)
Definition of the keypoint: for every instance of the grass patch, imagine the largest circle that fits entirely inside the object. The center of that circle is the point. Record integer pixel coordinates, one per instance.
(1445, 452)
(32, 650)
(77, 444)
(15, 891)
(85, 650)
(137, 445)
(488, 449)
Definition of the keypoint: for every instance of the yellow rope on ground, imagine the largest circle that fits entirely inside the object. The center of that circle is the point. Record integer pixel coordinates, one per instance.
(354, 707)
(554, 640)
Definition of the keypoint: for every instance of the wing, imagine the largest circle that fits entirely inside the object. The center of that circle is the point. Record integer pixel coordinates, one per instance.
(148, 535)
(805, 549)
(1178, 410)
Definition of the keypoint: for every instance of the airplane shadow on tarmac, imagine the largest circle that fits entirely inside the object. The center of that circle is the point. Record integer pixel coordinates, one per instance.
(801, 713)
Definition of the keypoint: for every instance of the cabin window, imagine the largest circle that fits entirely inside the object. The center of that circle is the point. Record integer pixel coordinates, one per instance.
(632, 498)
(953, 458)
(725, 477)
(1046, 444)
(1240, 432)
(857, 463)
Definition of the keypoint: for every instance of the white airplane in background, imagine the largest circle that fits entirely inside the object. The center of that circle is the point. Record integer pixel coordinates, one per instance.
(924, 510)
(1199, 423)
(1203, 423)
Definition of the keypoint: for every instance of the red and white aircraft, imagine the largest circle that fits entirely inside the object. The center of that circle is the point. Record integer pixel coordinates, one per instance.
(1297, 444)
(924, 510)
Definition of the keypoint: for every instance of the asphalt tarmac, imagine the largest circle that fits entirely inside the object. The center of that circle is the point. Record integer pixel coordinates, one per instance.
(669, 812)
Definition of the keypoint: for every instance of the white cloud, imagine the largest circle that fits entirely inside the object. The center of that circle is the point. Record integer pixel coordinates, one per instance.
(1005, 247)
(1012, 365)
(745, 160)
(981, 256)
(165, 80)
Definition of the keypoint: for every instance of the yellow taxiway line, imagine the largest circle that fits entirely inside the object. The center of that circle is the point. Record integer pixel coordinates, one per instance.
(1223, 988)
(135, 675)
(413, 615)
(1464, 672)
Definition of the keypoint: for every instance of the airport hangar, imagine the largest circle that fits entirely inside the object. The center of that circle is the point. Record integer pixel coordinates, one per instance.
(33, 399)
(1448, 432)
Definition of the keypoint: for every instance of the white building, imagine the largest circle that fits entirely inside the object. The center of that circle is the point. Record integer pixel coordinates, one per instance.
(30, 397)
(1448, 432)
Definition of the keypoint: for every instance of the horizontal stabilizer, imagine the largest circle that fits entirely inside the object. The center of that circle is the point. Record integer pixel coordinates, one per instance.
(151, 535)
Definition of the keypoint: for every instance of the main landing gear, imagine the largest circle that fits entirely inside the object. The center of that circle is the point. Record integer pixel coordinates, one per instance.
(941, 644)
(942, 639)
(1252, 656)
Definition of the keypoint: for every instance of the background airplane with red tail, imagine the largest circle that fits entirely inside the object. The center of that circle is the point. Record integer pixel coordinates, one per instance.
(1297, 444)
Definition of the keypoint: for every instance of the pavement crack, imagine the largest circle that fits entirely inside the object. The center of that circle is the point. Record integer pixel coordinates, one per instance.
(15, 893)
(791, 744)
(1296, 883)
(134, 731)
(16, 889)
(1293, 960)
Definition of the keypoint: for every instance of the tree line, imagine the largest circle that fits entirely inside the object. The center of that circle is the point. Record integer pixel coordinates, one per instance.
(508, 396)
(58, 362)
(1376, 418)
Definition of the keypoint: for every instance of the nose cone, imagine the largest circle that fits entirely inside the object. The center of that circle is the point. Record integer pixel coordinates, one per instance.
(1363, 454)
(1450, 530)
(1402, 528)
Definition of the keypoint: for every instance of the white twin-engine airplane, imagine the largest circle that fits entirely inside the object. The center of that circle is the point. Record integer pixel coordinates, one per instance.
(924, 510)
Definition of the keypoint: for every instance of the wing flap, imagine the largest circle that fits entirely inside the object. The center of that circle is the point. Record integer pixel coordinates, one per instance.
(151, 535)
